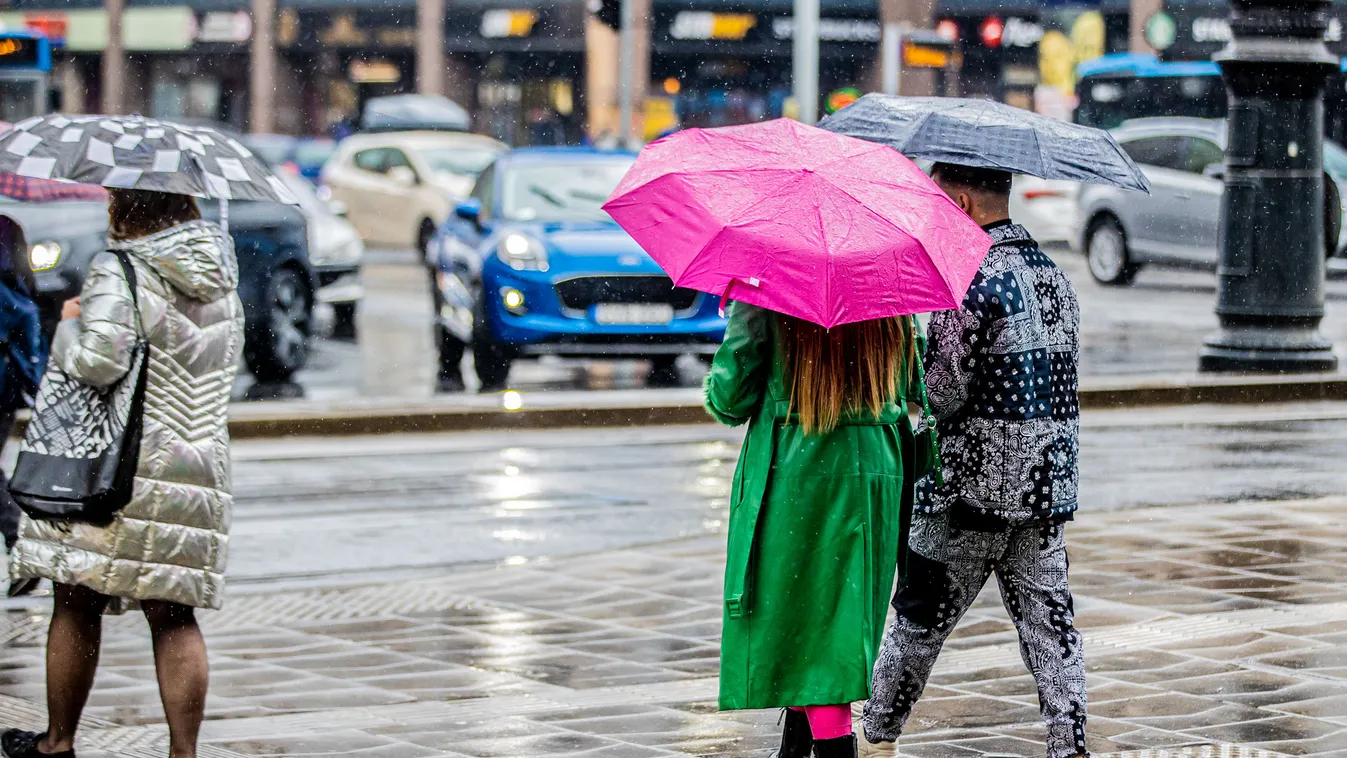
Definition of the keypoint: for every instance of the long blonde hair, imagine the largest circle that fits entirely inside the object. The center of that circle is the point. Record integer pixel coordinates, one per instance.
(844, 370)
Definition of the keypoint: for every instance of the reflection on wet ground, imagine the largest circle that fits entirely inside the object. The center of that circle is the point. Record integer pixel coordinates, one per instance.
(1152, 327)
(1229, 629)
(557, 594)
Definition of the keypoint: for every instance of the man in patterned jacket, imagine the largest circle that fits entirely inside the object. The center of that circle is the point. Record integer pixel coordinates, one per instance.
(1002, 377)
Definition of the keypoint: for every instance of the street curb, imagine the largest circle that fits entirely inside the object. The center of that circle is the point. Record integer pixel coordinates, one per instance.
(427, 419)
(1234, 390)
(269, 420)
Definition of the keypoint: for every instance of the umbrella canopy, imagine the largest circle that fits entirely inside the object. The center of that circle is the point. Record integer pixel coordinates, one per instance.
(988, 134)
(407, 112)
(131, 152)
(799, 220)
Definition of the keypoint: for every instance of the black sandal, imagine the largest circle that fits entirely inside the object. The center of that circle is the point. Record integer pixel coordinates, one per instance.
(16, 743)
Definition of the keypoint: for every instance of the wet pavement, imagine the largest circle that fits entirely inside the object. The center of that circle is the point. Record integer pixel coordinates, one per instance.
(1154, 327)
(556, 594)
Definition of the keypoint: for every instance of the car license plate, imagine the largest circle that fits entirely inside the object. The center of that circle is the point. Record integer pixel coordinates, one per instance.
(633, 313)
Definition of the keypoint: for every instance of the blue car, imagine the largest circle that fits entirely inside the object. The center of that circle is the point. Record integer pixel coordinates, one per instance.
(530, 265)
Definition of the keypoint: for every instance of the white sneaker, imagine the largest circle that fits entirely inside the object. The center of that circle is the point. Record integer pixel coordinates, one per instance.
(866, 748)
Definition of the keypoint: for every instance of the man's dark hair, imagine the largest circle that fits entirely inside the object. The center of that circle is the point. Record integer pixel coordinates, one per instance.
(987, 180)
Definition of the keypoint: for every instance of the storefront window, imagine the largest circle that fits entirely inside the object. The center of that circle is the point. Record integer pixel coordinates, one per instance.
(19, 100)
(197, 98)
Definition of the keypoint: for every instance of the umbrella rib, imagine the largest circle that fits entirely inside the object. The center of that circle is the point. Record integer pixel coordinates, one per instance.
(1143, 185)
(948, 287)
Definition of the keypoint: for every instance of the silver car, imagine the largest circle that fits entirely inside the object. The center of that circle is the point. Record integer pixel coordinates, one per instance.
(1178, 223)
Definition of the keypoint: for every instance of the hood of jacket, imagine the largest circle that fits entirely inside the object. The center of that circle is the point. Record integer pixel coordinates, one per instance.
(194, 258)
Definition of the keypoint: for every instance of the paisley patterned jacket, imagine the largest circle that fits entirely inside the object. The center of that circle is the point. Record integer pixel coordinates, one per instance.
(1002, 376)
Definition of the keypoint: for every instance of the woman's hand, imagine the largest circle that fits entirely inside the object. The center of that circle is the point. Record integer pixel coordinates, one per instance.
(70, 308)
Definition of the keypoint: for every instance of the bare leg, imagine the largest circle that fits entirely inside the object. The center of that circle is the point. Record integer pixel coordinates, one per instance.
(73, 642)
(180, 663)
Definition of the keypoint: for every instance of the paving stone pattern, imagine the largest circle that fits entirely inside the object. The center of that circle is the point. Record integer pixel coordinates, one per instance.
(1213, 631)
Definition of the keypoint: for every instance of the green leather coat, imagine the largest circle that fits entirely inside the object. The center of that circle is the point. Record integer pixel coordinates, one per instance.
(816, 522)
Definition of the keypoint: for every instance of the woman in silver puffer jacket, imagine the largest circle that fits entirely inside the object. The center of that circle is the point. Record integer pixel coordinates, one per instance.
(166, 550)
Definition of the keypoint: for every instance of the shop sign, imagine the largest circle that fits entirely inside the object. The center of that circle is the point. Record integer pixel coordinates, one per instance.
(342, 31)
(948, 29)
(144, 29)
(926, 56)
(1020, 76)
(220, 26)
(500, 23)
(1012, 32)
(49, 25)
(375, 72)
(831, 29)
(19, 51)
(840, 98)
(992, 31)
(1021, 32)
(705, 25)
(1211, 29)
(1161, 31)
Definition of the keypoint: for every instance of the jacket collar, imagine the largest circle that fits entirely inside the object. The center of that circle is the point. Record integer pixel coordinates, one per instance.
(1006, 232)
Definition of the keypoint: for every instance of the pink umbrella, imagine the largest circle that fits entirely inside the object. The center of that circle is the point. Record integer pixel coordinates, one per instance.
(799, 220)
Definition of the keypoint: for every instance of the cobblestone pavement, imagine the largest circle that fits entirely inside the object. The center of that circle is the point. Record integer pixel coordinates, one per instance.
(1211, 627)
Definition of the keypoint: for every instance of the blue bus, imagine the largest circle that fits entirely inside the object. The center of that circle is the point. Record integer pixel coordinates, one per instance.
(1114, 88)
(25, 63)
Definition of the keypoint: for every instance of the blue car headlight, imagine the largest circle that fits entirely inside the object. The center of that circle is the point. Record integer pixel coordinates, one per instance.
(522, 252)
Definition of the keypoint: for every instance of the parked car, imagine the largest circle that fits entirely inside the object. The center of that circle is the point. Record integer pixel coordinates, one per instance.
(400, 186)
(1178, 223)
(530, 265)
(275, 283)
(304, 155)
(335, 252)
(1046, 207)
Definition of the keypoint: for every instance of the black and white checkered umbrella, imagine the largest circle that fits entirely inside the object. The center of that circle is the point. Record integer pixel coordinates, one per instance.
(131, 152)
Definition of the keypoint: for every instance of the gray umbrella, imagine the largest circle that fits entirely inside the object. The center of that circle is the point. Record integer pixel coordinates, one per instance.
(409, 112)
(987, 134)
(131, 152)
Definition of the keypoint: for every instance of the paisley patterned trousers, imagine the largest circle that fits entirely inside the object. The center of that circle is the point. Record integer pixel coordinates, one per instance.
(947, 568)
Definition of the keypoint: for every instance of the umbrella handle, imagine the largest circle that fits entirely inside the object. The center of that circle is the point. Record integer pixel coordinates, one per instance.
(224, 216)
(752, 281)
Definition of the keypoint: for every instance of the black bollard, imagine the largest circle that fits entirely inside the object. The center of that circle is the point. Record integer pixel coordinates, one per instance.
(1271, 273)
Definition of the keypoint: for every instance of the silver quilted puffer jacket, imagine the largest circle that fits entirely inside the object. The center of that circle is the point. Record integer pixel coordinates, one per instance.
(171, 541)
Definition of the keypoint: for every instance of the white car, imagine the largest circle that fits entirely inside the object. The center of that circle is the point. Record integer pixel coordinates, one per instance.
(335, 251)
(1178, 224)
(398, 187)
(1046, 207)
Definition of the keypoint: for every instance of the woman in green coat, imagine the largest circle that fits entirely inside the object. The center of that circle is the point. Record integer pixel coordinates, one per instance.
(819, 505)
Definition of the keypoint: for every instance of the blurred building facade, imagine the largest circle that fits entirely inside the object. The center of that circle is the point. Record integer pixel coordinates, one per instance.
(547, 70)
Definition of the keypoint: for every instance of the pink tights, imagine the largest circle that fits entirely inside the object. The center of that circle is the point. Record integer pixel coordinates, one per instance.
(827, 722)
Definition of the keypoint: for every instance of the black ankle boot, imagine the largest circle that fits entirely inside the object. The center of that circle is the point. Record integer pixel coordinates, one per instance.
(837, 747)
(796, 740)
